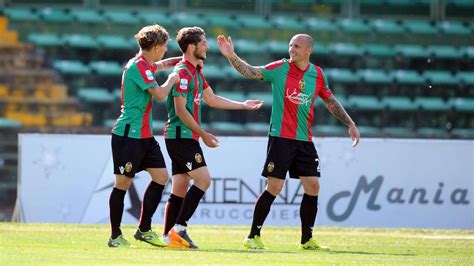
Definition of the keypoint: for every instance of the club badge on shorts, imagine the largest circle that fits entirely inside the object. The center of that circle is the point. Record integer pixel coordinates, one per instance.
(198, 158)
(128, 167)
(270, 167)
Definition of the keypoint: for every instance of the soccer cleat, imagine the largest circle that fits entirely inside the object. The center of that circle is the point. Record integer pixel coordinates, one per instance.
(149, 237)
(254, 243)
(311, 244)
(180, 240)
(119, 242)
(165, 239)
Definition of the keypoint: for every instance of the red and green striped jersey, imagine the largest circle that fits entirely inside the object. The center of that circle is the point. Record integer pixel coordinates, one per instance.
(135, 119)
(191, 85)
(294, 91)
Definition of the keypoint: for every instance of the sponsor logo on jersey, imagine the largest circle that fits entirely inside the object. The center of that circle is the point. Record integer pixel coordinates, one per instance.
(149, 75)
(197, 100)
(183, 84)
(298, 97)
(198, 158)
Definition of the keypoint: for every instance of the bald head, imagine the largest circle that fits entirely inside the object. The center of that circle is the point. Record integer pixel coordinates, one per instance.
(304, 39)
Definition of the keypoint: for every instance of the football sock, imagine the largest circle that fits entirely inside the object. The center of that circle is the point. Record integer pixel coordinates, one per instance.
(190, 204)
(308, 211)
(262, 208)
(116, 210)
(151, 199)
(171, 212)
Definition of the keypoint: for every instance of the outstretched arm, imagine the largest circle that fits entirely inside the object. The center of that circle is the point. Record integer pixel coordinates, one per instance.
(227, 49)
(160, 92)
(336, 109)
(167, 63)
(219, 102)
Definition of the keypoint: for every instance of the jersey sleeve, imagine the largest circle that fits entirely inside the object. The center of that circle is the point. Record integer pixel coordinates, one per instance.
(204, 81)
(182, 88)
(141, 75)
(271, 70)
(323, 89)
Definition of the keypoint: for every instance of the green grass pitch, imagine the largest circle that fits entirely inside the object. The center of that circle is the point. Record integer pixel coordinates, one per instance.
(39, 244)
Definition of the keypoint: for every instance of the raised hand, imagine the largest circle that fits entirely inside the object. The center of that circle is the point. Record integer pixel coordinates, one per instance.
(355, 136)
(173, 78)
(225, 45)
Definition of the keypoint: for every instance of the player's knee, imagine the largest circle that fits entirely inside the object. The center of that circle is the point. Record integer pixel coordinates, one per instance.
(203, 183)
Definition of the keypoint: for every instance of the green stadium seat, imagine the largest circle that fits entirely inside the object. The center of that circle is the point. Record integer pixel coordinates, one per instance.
(45, 40)
(55, 15)
(440, 77)
(227, 127)
(462, 104)
(468, 52)
(406, 3)
(398, 132)
(106, 68)
(426, 132)
(117, 94)
(368, 131)
(87, 16)
(114, 42)
(172, 45)
(419, 27)
(80, 41)
(214, 72)
(318, 49)
(221, 20)
(365, 103)
(21, 14)
(277, 47)
(8, 123)
(412, 50)
(329, 130)
(374, 76)
(95, 95)
(462, 3)
(353, 26)
(266, 97)
(248, 46)
(467, 77)
(154, 17)
(465, 133)
(257, 127)
(398, 103)
(109, 123)
(187, 19)
(232, 95)
(254, 22)
(320, 25)
(121, 17)
(407, 77)
(71, 67)
(232, 72)
(432, 104)
(445, 51)
(378, 50)
(454, 28)
(384, 26)
(342, 75)
(346, 49)
(212, 44)
(287, 23)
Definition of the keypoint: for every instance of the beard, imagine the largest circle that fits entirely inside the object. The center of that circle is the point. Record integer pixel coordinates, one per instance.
(201, 56)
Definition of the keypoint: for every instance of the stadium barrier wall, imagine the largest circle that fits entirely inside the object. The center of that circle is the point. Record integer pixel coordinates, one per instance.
(381, 183)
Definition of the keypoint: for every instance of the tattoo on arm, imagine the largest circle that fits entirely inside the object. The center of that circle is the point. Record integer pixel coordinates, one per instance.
(336, 109)
(245, 69)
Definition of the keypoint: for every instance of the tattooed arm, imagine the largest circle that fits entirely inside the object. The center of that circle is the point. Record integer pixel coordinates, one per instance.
(227, 49)
(336, 109)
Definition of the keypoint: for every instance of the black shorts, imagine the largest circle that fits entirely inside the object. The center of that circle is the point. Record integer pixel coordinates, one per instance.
(134, 155)
(298, 157)
(186, 155)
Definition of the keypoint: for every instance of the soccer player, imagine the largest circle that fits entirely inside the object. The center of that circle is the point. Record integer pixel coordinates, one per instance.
(295, 85)
(133, 147)
(182, 132)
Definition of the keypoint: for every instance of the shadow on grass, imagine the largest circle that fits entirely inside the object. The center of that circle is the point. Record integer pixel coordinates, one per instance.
(369, 253)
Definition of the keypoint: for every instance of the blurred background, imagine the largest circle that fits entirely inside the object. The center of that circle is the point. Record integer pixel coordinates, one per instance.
(402, 68)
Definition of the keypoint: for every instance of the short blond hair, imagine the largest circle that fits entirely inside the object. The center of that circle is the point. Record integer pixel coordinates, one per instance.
(150, 36)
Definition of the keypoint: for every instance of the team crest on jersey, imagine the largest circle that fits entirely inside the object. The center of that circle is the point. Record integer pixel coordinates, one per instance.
(270, 167)
(149, 75)
(197, 100)
(128, 167)
(183, 84)
(301, 84)
(298, 97)
(198, 158)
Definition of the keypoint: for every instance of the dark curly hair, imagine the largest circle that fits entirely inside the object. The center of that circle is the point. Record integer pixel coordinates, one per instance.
(189, 35)
(150, 36)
